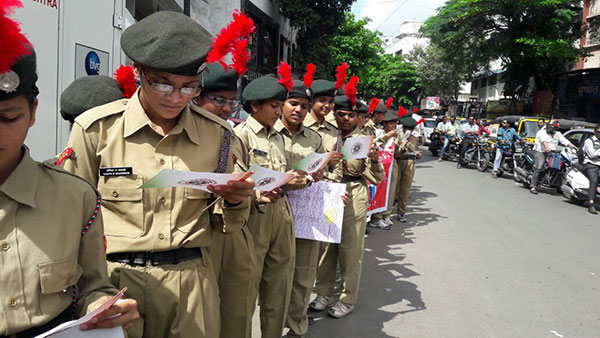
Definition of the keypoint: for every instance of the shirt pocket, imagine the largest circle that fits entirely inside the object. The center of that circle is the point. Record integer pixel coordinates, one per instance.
(261, 160)
(56, 281)
(190, 219)
(122, 206)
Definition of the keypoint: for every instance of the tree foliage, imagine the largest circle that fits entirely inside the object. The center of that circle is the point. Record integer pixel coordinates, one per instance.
(532, 38)
(437, 76)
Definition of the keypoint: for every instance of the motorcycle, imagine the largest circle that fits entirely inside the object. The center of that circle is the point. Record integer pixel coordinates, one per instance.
(507, 165)
(576, 183)
(477, 153)
(553, 174)
(436, 142)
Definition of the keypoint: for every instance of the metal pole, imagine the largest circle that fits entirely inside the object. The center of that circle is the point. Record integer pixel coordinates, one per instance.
(186, 7)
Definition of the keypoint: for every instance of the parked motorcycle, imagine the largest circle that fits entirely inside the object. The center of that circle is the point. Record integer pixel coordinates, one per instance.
(552, 176)
(576, 184)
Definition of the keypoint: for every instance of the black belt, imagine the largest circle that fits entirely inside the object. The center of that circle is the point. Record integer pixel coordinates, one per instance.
(64, 317)
(347, 179)
(155, 258)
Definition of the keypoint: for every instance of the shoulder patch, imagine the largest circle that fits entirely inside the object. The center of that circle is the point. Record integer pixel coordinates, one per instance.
(88, 118)
(202, 112)
(69, 152)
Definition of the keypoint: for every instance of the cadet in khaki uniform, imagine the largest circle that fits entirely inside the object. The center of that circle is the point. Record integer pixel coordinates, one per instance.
(158, 239)
(374, 127)
(271, 222)
(323, 94)
(349, 252)
(232, 254)
(52, 266)
(299, 143)
(390, 123)
(410, 142)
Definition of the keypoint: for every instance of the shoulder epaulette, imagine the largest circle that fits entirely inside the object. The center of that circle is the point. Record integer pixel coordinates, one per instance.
(88, 118)
(210, 116)
(51, 165)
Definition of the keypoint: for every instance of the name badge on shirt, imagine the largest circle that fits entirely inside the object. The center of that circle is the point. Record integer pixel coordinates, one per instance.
(116, 171)
(259, 152)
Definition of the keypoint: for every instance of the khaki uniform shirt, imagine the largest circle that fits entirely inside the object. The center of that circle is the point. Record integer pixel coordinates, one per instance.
(363, 168)
(43, 211)
(327, 131)
(300, 145)
(370, 128)
(120, 134)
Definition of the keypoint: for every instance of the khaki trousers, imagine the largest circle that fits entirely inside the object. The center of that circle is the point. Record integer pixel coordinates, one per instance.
(174, 300)
(392, 193)
(307, 259)
(406, 175)
(275, 245)
(233, 259)
(349, 253)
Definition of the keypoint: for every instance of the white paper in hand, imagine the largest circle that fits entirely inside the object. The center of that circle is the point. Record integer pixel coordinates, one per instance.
(168, 178)
(356, 148)
(267, 180)
(313, 162)
(71, 329)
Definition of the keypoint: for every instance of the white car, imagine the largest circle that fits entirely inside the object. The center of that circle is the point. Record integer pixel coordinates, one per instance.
(428, 125)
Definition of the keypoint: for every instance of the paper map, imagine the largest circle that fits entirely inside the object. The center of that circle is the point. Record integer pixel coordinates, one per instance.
(168, 178)
(267, 180)
(313, 162)
(356, 148)
(319, 211)
(71, 328)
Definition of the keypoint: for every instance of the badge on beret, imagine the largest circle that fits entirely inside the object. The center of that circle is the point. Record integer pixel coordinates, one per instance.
(64, 155)
(9, 81)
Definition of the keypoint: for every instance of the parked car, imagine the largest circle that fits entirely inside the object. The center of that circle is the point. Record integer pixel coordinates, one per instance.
(429, 126)
(578, 136)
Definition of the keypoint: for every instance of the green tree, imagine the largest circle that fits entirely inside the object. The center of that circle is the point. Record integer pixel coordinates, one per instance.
(437, 76)
(391, 76)
(532, 38)
(317, 23)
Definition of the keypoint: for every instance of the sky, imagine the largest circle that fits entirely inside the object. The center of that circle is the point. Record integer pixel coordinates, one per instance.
(387, 15)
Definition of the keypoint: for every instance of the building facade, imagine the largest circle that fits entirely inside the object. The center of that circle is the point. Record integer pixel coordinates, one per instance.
(409, 36)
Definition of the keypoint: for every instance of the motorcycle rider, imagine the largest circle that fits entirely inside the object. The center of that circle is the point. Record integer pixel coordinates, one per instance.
(591, 165)
(450, 134)
(541, 124)
(441, 126)
(546, 140)
(469, 131)
(506, 137)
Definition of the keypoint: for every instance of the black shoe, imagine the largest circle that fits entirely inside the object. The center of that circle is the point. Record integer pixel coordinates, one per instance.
(367, 231)
(311, 320)
(593, 210)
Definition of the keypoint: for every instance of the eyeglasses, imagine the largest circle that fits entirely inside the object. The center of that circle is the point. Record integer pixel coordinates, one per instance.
(167, 89)
(222, 102)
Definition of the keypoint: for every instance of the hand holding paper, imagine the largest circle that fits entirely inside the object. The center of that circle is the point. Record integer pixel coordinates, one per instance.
(267, 180)
(168, 178)
(313, 162)
(356, 148)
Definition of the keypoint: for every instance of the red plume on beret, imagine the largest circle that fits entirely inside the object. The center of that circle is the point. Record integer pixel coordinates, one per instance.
(374, 102)
(402, 111)
(285, 72)
(126, 79)
(341, 72)
(350, 89)
(415, 110)
(228, 41)
(309, 76)
(13, 44)
(389, 101)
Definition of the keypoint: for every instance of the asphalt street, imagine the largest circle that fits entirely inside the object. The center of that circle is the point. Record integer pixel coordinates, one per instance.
(479, 257)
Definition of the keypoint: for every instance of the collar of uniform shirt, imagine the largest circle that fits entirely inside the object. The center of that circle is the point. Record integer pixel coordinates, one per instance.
(21, 185)
(280, 127)
(257, 127)
(136, 118)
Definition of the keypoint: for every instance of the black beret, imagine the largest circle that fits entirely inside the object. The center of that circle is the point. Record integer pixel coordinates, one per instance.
(300, 91)
(264, 88)
(20, 79)
(323, 88)
(408, 122)
(86, 93)
(167, 41)
(342, 102)
(363, 109)
(215, 79)
(390, 116)
(381, 108)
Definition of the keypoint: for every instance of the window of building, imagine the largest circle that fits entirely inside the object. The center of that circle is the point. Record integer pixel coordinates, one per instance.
(265, 47)
(593, 31)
